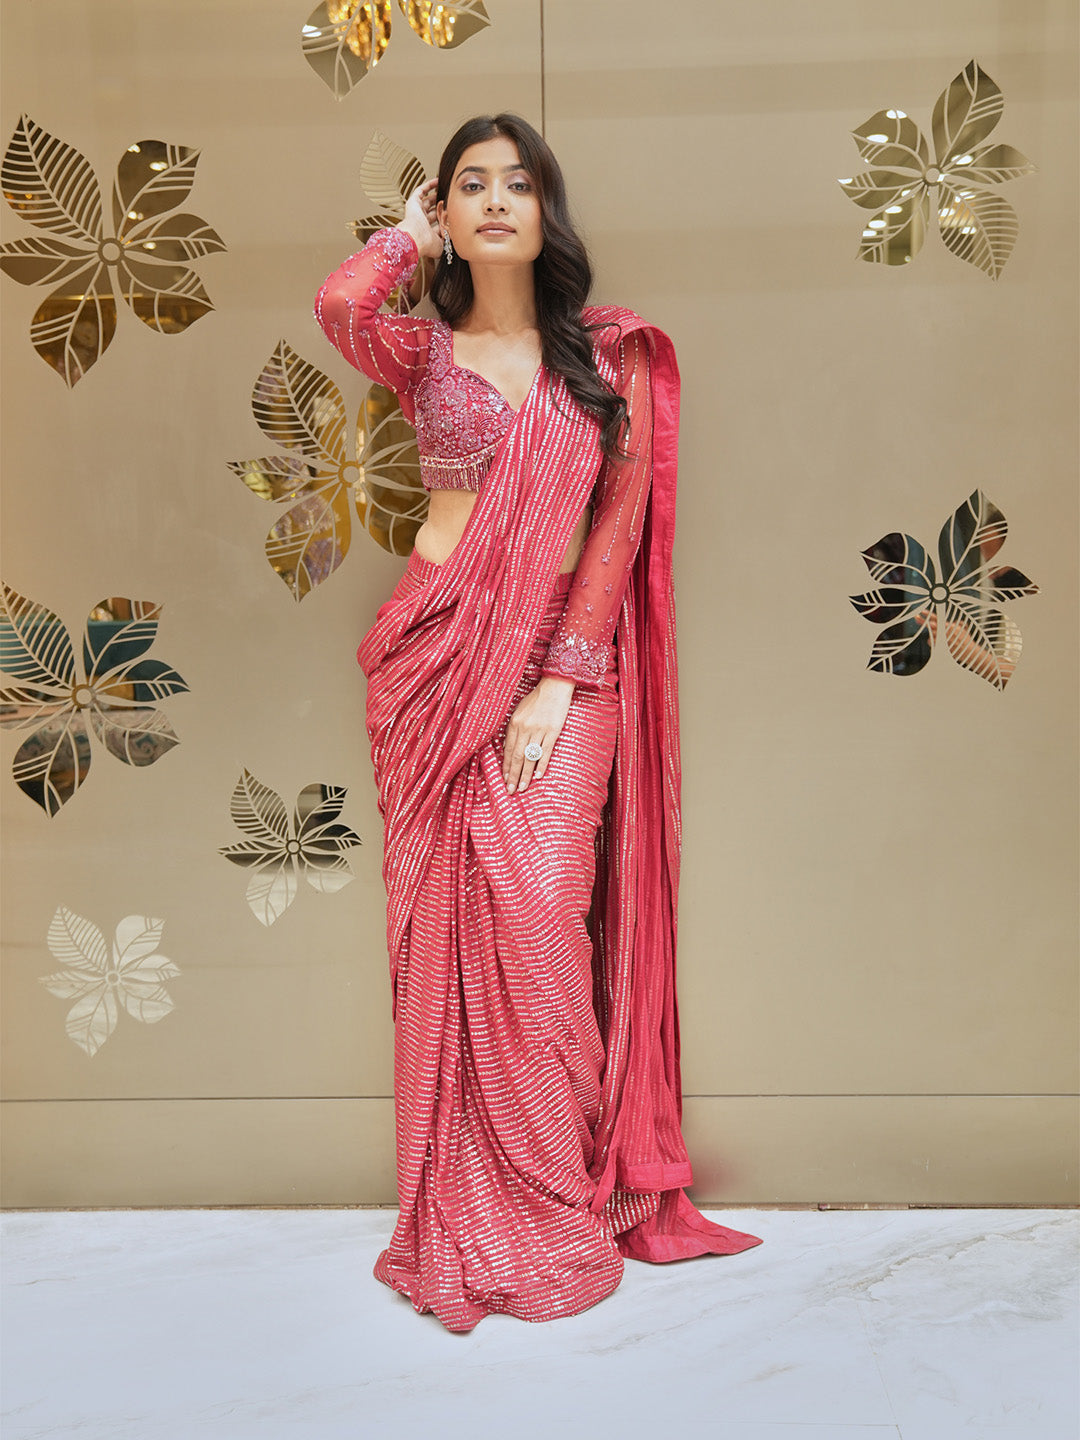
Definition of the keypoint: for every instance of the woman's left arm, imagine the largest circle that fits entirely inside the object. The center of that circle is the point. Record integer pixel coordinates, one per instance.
(580, 648)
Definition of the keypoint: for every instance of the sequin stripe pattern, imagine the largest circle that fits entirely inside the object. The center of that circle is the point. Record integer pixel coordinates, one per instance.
(472, 624)
(466, 634)
(581, 644)
(389, 349)
(500, 1219)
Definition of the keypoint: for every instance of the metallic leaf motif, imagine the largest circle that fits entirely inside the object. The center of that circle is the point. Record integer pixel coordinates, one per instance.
(975, 224)
(343, 39)
(911, 600)
(300, 409)
(145, 259)
(389, 175)
(114, 701)
(133, 975)
(312, 842)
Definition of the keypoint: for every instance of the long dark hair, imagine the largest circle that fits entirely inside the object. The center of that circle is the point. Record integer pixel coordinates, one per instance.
(561, 272)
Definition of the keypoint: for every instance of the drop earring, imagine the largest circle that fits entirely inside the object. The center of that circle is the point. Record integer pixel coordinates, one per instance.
(448, 249)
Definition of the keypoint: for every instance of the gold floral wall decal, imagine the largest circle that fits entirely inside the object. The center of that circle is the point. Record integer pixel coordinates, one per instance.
(112, 695)
(389, 175)
(976, 224)
(912, 600)
(144, 258)
(311, 842)
(344, 39)
(100, 980)
(301, 410)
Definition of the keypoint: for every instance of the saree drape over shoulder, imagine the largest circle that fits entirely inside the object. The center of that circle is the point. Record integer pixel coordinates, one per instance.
(537, 1089)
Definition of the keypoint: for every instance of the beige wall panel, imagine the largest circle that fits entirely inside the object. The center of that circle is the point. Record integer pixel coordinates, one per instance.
(762, 1150)
(199, 1152)
(877, 942)
(884, 1150)
(879, 871)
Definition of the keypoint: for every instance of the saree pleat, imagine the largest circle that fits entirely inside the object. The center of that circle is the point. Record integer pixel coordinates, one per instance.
(532, 934)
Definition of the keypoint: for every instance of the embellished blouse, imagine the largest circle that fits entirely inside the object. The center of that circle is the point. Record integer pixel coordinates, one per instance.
(460, 417)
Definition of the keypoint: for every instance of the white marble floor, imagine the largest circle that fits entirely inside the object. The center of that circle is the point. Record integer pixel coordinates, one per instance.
(230, 1324)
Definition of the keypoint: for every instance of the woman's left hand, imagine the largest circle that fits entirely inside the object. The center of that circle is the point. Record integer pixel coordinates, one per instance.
(540, 715)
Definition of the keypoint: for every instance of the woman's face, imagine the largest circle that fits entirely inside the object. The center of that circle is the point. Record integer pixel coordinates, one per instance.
(492, 210)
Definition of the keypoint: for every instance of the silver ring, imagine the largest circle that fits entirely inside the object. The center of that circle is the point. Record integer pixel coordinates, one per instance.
(533, 750)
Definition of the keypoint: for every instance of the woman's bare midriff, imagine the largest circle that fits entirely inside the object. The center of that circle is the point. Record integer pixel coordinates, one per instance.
(448, 514)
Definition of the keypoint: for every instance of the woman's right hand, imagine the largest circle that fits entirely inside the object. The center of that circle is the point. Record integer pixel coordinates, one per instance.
(420, 221)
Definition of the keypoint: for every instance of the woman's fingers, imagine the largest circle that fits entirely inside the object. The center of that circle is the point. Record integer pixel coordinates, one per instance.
(518, 769)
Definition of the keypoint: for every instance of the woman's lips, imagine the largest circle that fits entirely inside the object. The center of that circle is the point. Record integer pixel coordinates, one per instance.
(495, 230)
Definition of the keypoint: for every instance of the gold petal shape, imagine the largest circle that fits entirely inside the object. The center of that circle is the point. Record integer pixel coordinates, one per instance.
(298, 407)
(344, 39)
(280, 477)
(74, 326)
(444, 25)
(390, 500)
(260, 811)
(874, 188)
(389, 175)
(905, 647)
(896, 234)
(973, 534)
(34, 643)
(270, 892)
(977, 226)
(991, 164)
(983, 639)
(311, 540)
(168, 298)
(892, 138)
(138, 737)
(23, 705)
(50, 184)
(108, 644)
(173, 239)
(40, 260)
(964, 113)
(54, 761)
(329, 875)
(151, 179)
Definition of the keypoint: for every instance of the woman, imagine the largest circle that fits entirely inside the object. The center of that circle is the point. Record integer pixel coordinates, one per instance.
(522, 710)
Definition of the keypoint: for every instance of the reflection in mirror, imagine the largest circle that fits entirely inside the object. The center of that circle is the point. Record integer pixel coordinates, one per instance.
(143, 259)
(314, 843)
(114, 697)
(912, 602)
(977, 225)
(300, 409)
(343, 39)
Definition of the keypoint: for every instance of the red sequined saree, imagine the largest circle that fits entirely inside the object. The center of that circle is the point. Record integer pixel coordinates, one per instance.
(537, 1090)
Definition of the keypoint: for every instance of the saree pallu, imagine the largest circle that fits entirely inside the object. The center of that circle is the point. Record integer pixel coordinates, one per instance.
(536, 1061)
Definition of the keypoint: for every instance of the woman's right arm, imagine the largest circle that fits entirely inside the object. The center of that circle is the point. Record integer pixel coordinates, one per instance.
(389, 349)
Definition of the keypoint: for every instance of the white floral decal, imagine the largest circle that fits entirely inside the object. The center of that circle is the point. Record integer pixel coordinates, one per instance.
(133, 975)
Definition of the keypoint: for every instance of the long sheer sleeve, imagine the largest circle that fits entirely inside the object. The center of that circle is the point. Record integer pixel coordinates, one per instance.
(580, 647)
(389, 349)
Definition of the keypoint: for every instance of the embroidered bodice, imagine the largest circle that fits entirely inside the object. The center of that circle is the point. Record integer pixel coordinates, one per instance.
(460, 417)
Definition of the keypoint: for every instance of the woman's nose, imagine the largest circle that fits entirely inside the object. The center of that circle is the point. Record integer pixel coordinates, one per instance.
(495, 199)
